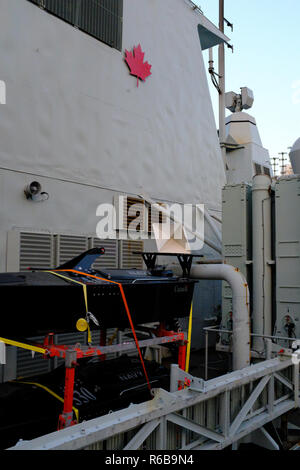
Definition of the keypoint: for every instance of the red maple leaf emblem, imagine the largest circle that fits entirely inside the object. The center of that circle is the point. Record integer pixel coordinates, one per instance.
(135, 61)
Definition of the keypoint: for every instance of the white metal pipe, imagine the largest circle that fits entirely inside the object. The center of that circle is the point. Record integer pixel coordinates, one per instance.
(262, 256)
(268, 348)
(241, 349)
(211, 57)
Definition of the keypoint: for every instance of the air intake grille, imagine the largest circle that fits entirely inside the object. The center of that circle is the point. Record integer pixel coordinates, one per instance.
(102, 19)
(64, 9)
(70, 246)
(111, 257)
(134, 214)
(128, 259)
(258, 169)
(36, 251)
(233, 250)
(47, 251)
(155, 217)
(29, 363)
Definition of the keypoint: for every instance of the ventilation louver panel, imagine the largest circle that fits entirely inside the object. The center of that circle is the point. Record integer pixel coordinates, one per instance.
(70, 246)
(110, 259)
(36, 251)
(29, 364)
(130, 214)
(134, 209)
(64, 9)
(67, 10)
(155, 217)
(257, 169)
(102, 19)
(128, 259)
(233, 250)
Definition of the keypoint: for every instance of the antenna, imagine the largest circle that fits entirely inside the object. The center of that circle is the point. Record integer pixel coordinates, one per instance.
(221, 75)
(282, 161)
(237, 102)
(274, 164)
(230, 25)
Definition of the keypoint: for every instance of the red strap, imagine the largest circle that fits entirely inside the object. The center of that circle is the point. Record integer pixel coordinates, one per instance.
(127, 311)
(134, 334)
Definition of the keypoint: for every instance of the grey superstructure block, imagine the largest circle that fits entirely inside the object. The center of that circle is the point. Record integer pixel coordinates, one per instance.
(287, 228)
(237, 238)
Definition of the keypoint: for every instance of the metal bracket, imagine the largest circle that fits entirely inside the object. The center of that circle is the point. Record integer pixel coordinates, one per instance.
(181, 379)
(194, 383)
(149, 259)
(185, 260)
(71, 358)
(186, 264)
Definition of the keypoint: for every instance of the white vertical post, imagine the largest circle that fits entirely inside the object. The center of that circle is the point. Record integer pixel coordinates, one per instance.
(206, 355)
(174, 378)
(262, 256)
(2, 353)
(225, 412)
(296, 385)
(271, 394)
(2, 92)
(161, 436)
(268, 348)
(222, 83)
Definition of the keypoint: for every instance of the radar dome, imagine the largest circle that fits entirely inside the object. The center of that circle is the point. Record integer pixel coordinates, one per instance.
(295, 157)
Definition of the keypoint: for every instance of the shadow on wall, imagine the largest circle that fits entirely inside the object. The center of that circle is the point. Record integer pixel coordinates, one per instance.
(206, 308)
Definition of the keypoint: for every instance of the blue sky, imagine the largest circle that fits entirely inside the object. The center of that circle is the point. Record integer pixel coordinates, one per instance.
(266, 58)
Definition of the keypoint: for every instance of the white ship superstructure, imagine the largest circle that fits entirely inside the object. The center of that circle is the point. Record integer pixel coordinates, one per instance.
(106, 104)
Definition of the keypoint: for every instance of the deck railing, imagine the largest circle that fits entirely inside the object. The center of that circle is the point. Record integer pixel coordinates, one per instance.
(203, 415)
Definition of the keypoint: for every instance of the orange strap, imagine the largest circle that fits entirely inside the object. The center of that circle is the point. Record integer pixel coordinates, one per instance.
(126, 308)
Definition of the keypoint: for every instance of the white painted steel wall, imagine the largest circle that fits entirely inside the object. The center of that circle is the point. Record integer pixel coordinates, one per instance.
(287, 231)
(76, 120)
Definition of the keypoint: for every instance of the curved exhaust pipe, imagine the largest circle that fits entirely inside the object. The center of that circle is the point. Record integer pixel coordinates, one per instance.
(241, 339)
